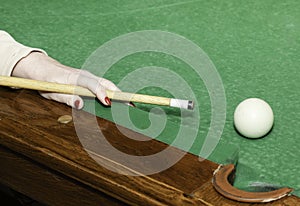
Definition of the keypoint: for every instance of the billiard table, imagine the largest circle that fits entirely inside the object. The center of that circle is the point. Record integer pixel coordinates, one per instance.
(247, 50)
(45, 160)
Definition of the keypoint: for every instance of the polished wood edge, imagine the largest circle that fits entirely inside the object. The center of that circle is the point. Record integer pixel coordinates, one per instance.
(45, 185)
(42, 139)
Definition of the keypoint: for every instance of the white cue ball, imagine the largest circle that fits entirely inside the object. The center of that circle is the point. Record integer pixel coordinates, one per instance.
(253, 118)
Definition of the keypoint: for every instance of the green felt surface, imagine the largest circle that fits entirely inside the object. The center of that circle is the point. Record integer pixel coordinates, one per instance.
(253, 44)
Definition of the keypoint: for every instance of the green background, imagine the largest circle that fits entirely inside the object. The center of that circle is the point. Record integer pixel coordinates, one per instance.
(253, 44)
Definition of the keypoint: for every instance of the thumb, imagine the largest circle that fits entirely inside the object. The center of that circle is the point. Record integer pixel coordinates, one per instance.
(71, 100)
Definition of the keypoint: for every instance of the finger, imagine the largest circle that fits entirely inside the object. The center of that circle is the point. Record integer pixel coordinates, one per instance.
(89, 80)
(100, 92)
(108, 84)
(111, 86)
(95, 84)
(71, 100)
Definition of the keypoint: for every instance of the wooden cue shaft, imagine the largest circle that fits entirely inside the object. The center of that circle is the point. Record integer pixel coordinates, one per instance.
(78, 90)
(125, 96)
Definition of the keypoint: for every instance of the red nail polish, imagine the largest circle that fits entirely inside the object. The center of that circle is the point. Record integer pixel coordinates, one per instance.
(77, 103)
(107, 100)
(131, 104)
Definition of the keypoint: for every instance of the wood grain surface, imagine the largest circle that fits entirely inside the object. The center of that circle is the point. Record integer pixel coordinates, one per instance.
(46, 161)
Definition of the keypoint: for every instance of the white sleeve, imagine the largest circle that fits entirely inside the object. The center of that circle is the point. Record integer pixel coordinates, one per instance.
(11, 52)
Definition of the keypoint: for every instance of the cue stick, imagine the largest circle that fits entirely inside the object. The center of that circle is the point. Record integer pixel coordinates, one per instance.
(81, 91)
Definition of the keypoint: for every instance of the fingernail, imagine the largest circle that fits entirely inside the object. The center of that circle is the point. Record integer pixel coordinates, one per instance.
(77, 104)
(131, 104)
(107, 100)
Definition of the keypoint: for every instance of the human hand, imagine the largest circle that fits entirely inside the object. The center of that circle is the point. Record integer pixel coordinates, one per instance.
(41, 67)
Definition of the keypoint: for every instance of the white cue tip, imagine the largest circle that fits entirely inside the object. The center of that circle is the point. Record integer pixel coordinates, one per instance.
(180, 103)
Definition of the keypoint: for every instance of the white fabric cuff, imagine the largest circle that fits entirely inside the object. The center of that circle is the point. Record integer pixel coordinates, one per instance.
(11, 52)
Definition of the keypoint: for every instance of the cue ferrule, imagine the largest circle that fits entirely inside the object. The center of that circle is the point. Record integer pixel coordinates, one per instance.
(180, 103)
